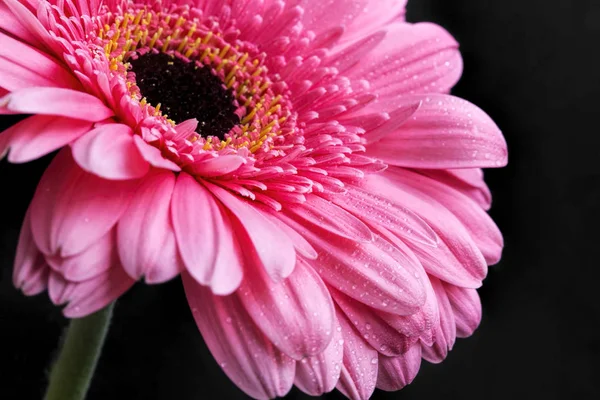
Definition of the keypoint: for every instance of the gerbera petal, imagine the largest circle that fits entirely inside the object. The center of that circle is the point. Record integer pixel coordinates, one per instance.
(29, 264)
(15, 77)
(300, 325)
(446, 132)
(375, 273)
(376, 13)
(359, 372)
(39, 135)
(332, 218)
(479, 225)
(445, 331)
(56, 101)
(9, 22)
(36, 61)
(72, 209)
(96, 293)
(468, 181)
(456, 258)
(110, 152)
(143, 229)
(153, 155)
(319, 374)
(467, 309)
(21, 22)
(59, 289)
(413, 58)
(205, 236)
(247, 357)
(91, 262)
(375, 331)
(273, 249)
(397, 372)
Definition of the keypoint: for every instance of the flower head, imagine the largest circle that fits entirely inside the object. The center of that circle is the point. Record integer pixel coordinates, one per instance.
(298, 162)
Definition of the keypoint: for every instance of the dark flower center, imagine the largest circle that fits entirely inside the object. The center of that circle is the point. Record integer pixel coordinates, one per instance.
(185, 90)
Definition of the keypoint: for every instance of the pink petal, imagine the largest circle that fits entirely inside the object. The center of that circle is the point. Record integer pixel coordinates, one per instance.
(169, 263)
(205, 236)
(372, 207)
(38, 35)
(247, 357)
(72, 209)
(300, 243)
(376, 13)
(446, 132)
(15, 77)
(330, 217)
(320, 16)
(319, 374)
(397, 372)
(477, 222)
(296, 314)
(56, 101)
(359, 373)
(29, 265)
(59, 289)
(413, 58)
(445, 332)
(468, 181)
(153, 155)
(91, 262)
(221, 165)
(273, 249)
(383, 276)
(34, 60)
(39, 135)
(94, 294)
(110, 152)
(375, 331)
(466, 306)
(10, 23)
(456, 258)
(145, 226)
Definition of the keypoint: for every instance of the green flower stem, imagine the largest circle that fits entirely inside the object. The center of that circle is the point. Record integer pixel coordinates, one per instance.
(72, 373)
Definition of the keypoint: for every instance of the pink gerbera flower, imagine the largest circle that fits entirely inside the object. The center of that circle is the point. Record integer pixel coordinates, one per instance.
(298, 162)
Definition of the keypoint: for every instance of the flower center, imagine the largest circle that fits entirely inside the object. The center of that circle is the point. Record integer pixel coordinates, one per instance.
(186, 90)
(181, 65)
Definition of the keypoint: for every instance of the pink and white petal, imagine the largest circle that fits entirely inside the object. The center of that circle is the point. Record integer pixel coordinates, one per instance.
(446, 132)
(445, 332)
(375, 331)
(466, 306)
(300, 243)
(144, 227)
(56, 101)
(331, 218)
(273, 249)
(477, 222)
(93, 261)
(72, 209)
(413, 58)
(153, 155)
(247, 357)
(397, 372)
(320, 373)
(468, 181)
(456, 258)
(320, 16)
(94, 294)
(39, 135)
(109, 152)
(296, 314)
(205, 236)
(360, 366)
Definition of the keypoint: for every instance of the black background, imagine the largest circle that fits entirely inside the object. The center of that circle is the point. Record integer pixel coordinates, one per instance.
(533, 65)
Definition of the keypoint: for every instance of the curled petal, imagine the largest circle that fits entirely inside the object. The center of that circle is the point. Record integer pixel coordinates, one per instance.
(247, 357)
(397, 372)
(296, 314)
